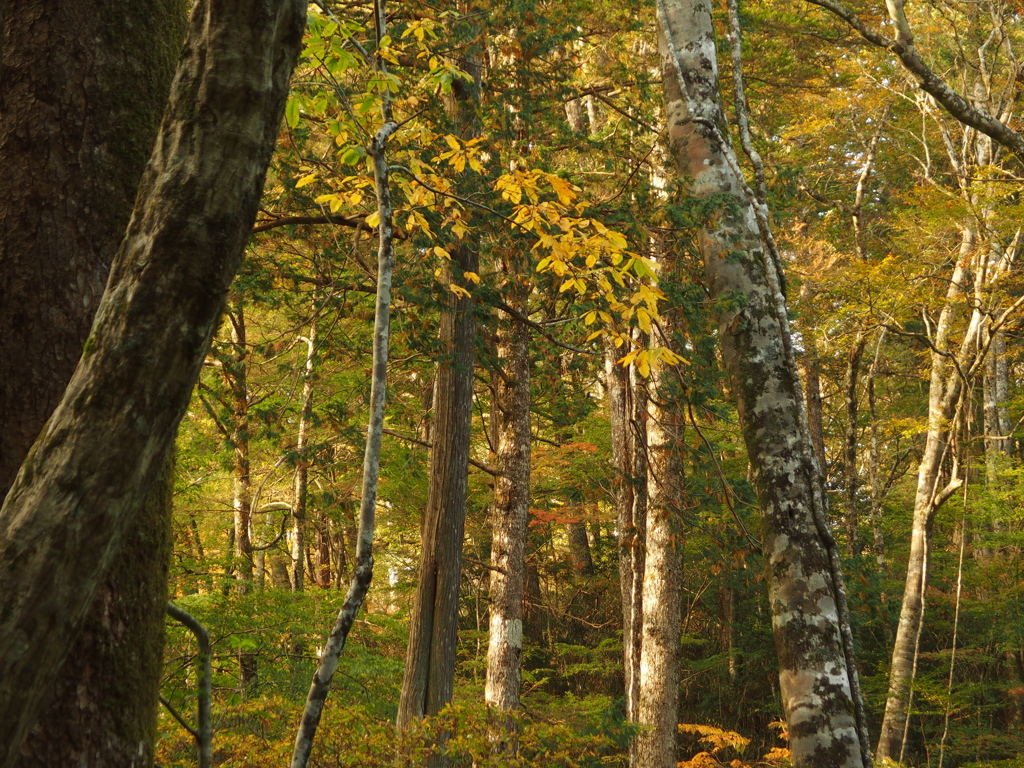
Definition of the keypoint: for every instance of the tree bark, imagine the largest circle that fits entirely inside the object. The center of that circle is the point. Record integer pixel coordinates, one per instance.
(657, 711)
(817, 672)
(301, 479)
(430, 658)
(850, 475)
(511, 510)
(81, 94)
(945, 392)
(627, 415)
(236, 374)
(65, 517)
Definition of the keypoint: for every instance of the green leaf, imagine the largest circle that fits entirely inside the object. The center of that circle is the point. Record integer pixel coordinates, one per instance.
(291, 113)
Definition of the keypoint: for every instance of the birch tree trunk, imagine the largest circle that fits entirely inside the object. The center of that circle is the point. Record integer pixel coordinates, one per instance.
(510, 513)
(945, 391)
(301, 479)
(817, 673)
(81, 485)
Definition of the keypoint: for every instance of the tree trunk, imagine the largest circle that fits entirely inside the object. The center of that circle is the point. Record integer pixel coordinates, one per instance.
(510, 513)
(657, 712)
(82, 484)
(300, 489)
(850, 477)
(874, 462)
(580, 558)
(73, 144)
(817, 671)
(944, 394)
(430, 658)
(236, 375)
(628, 410)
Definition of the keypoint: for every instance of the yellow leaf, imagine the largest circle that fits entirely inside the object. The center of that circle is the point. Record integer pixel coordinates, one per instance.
(439, 251)
(458, 290)
(473, 277)
(452, 142)
(373, 219)
(305, 181)
(643, 365)
(616, 239)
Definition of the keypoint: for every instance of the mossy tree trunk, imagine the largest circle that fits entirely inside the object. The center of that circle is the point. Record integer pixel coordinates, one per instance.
(81, 96)
(81, 488)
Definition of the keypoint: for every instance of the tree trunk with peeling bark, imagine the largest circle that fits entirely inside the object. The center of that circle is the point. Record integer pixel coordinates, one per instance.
(81, 98)
(817, 672)
(510, 511)
(84, 479)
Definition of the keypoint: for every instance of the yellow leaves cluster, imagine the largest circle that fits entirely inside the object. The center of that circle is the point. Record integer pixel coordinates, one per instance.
(461, 154)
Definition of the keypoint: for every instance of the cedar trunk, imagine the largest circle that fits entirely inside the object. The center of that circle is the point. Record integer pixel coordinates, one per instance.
(430, 658)
(84, 480)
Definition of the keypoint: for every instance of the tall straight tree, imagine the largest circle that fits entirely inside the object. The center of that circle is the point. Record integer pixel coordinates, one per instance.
(628, 421)
(74, 140)
(658, 701)
(83, 482)
(430, 657)
(510, 513)
(817, 675)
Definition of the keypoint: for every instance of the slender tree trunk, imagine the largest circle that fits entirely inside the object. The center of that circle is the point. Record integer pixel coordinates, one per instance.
(657, 712)
(850, 475)
(874, 461)
(944, 395)
(301, 479)
(817, 678)
(812, 381)
(82, 484)
(430, 658)
(628, 410)
(74, 140)
(236, 375)
(510, 513)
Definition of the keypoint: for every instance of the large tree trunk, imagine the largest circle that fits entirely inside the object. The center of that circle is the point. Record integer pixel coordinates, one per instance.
(430, 657)
(510, 513)
(84, 480)
(658, 706)
(73, 144)
(817, 673)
